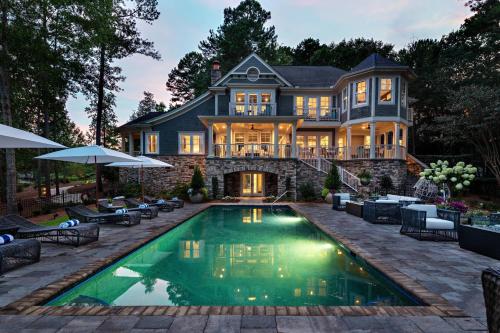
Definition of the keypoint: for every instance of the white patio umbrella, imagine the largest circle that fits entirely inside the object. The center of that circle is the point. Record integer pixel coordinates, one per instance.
(11, 137)
(145, 162)
(89, 155)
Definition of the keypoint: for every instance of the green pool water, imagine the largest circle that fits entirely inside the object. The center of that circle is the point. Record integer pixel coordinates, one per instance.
(239, 255)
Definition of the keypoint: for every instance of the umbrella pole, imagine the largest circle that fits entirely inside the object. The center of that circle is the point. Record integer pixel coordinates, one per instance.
(142, 183)
(96, 189)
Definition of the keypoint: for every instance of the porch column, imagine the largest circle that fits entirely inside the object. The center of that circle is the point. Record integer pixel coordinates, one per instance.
(348, 143)
(294, 140)
(130, 144)
(210, 140)
(395, 137)
(373, 143)
(228, 140)
(276, 139)
(142, 143)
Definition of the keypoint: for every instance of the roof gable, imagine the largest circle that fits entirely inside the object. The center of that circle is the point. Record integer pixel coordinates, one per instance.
(373, 61)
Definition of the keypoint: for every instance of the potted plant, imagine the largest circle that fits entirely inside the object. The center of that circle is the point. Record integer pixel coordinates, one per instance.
(365, 177)
(332, 184)
(197, 190)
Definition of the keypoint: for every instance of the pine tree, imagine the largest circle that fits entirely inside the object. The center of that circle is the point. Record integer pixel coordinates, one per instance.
(147, 105)
(188, 79)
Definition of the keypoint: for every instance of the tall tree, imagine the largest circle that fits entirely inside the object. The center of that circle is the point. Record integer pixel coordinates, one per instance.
(189, 79)
(349, 53)
(305, 50)
(147, 105)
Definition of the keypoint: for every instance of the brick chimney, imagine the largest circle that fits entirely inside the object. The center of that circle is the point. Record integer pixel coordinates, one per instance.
(215, 73)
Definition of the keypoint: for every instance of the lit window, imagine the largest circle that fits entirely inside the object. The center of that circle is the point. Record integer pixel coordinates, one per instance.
(265, 137)
(300, 140)
(152, 143)
(311, 141)
(299, 105)
(239, 138)
(240, 97)
(312, 104)
(360, 92)
(324, 104)
(191, 143)
(385, 94)
(324, 141)
(266, 98)
(253, 138)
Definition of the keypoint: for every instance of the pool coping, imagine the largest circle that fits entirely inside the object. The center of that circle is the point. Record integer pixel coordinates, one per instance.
(435, 304)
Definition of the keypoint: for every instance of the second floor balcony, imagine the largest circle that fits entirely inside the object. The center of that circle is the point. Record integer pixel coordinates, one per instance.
(318, 114)
(252, 109)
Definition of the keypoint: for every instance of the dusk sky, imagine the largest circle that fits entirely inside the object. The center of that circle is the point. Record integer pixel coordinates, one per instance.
(183, 24)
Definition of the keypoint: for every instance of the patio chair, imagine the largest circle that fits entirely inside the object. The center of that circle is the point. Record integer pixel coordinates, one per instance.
(382, 211)
(164, 207)
(149, 212)
(77, 235)
(87, 215)
(19, 252)
(177, 203)
(340, 200)
(491, 292)
(429, 222)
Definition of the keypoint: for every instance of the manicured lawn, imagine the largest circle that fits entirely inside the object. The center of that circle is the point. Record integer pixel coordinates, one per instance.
(56, 222)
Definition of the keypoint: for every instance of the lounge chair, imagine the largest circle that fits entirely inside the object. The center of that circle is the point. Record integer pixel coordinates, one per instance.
(429, 222)
(491, 292)
(87, 215)
(19, 252)
(340, 200)
(77, 235)
(164, 207)
(386, 210)
(177, 203)
(147, 212)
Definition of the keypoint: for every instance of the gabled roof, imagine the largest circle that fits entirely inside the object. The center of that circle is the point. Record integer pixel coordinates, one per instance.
(310, 76)
(143, 118)
(375, 60)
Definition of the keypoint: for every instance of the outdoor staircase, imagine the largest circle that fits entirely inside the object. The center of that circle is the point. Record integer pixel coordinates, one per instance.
(323, 165)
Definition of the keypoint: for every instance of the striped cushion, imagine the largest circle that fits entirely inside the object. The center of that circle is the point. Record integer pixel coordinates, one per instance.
(6, 238)
(69, 224)
(121, 211)
(144, 205)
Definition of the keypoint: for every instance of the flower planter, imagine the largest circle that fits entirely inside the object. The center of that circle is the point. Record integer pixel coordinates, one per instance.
(329, 198)
(196, 198)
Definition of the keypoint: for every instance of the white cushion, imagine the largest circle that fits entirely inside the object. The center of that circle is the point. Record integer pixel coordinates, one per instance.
(343, 202)
(431, 210)
(434, 223)
(400, 198)
(343, 196)
(386, 201)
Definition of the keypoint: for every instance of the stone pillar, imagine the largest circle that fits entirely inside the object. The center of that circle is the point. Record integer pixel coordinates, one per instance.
(395, 137)
(130, 144)
(373, 143)
(348, 143)
(228, 140)
(276, 140)
(210, 140)
(294, 140)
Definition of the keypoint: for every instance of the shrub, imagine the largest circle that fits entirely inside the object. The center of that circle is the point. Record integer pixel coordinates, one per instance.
(215, 187)
(307, 191)
(324, 192)
(180, 191)
(385, 183)
(332, 181)
(197, 182)
(129, 190)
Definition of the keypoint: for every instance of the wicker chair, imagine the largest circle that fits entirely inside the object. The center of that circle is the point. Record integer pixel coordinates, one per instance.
(339, 200)
(382, 211)
(495, 218)
(177, 203)
(164, 207)
(491, 292)
(18, 253)
(78, 235)
(149, 212)
(87, 215)
(428, 222)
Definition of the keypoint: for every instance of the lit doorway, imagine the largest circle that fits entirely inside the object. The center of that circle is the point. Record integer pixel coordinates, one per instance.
(252, 184)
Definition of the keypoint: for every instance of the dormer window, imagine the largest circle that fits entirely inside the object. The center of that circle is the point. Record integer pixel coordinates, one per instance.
(385, 90)
(253, 74)
(360, 93)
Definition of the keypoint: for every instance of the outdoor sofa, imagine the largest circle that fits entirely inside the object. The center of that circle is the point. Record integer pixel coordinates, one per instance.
(165, 207)
(177, 203)
(19, 252)
(77, 235)
(386, 210)
(491, 292)
(340, 200)
(149, 212)
(429, 222)
(87, 215)
(482, 238)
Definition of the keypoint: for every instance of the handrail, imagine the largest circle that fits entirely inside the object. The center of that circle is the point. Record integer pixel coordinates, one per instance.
(278, 198)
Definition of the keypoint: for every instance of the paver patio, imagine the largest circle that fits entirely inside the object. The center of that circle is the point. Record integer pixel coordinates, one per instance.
(443, 268)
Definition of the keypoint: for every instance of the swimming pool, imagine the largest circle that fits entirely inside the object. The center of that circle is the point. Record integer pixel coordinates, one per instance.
(239, 255)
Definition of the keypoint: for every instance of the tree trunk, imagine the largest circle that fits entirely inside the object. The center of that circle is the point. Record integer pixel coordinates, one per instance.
(10, 157)
(100, 99)
(56, 178)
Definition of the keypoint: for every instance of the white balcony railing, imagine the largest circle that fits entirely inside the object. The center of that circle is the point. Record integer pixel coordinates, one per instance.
(252, 109)
(253, 150)
(318, 114)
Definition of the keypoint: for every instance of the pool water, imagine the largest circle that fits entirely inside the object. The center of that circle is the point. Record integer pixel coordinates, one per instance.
(239, 255)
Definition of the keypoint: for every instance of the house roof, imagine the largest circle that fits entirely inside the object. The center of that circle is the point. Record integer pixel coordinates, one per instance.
(142, 119)
(310, 76)
(375, 60)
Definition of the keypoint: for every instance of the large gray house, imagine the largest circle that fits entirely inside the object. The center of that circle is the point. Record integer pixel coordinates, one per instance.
(261, 129)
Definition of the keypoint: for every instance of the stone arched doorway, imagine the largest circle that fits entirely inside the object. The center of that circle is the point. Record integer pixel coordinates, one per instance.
(250, 183)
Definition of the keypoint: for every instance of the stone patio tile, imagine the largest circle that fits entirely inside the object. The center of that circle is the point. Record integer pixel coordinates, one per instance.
(83, 324)
(258, 330)
(140, 330)
(118, 323)
(324, 324)
(50, 322)
(154, 322)
(258, 322)
(188, 324)
(399, 324)
(223, 324)
(466, 324)
(15, 323)
(433, 324)
(360, 322)
(293, 324)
